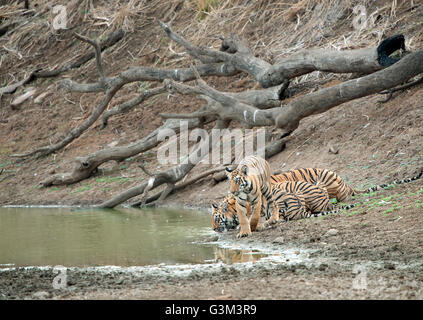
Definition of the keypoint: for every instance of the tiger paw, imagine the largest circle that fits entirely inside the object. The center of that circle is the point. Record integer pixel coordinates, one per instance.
(269, 223)
(243, 234)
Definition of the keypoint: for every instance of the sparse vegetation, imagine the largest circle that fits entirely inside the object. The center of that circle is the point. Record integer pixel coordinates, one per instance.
(377, 142)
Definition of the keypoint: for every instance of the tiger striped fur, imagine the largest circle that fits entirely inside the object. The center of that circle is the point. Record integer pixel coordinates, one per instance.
(293, 206)
(316, 198)
(290, 206)
(250, 184)
(224, 216)
(335, 186)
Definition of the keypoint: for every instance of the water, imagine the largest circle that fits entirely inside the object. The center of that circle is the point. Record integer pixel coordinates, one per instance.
(122, 237)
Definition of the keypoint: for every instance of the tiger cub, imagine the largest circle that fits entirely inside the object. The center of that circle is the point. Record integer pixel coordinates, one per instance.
(250, 184)
(290, 206)
(224, 216)
(335, 186)
(293, 206)
(316, 198)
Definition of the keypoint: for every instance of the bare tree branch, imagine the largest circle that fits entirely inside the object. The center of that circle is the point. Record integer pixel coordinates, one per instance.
(97, 50)
(234, 51)
(87, 165)
(129, 105)
(171, 175)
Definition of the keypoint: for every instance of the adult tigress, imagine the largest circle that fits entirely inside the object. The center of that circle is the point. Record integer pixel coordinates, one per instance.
(250, 184)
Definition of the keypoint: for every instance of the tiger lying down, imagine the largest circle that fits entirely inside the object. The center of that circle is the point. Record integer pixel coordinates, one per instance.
(296, 194)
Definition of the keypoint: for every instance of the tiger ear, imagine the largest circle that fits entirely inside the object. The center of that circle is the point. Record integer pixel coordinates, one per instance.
(228, 172)
(214, 205)
(244, 169)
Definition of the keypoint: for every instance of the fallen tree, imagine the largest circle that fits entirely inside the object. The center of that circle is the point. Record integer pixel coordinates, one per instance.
(85, 166)
(234, 57)
(251, 108)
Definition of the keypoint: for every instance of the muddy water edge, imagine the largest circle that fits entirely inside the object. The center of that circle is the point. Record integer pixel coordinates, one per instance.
(369, 253)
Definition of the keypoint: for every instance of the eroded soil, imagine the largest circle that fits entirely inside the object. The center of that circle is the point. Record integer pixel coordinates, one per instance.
(373, 251)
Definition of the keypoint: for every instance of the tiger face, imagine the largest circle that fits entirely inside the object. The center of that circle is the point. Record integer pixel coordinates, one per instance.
(224, 215)
(239, 180)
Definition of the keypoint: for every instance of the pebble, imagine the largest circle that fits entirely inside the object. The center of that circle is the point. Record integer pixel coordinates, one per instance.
(213, 238)
(278, 240)
(331, 232)
(323, 267)
(389, 266)
(41, 295)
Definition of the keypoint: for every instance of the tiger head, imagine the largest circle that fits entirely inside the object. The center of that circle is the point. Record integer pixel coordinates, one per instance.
(224, 215)
(239, 180)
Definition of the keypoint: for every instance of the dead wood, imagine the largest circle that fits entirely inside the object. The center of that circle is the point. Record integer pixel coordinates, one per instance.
(129, 105)
(160, 196)
(390, 92)
(12, 88)
(235, 51)
(108, 42)
(85, 166)
(171, 175)
(252, 108)
(288, 116)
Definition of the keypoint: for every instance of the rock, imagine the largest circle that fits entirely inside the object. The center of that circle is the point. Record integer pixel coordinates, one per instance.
(323, 267)
(331, 232)
(213, 238)
(278, 240)
(389, 266)
(41, 295)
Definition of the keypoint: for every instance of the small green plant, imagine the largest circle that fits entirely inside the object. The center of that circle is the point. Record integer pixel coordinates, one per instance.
(121, 180)
(390, 210)
(205, 6)
(142, 86)
(334, 201)
(5, 164)
(83, 188)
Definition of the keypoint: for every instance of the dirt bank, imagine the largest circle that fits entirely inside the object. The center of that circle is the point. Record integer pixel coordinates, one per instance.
(372, 252)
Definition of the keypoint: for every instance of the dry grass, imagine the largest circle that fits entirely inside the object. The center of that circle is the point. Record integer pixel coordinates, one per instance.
(274, 29)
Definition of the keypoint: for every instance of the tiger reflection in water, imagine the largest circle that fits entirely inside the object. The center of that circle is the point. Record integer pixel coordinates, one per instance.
(231, 256)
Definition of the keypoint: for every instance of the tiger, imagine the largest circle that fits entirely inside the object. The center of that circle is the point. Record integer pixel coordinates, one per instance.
(316, 198)
(231, 256)
(224, 216)
(335, 186)
(290, 206)
(293, 206)
(250, 183)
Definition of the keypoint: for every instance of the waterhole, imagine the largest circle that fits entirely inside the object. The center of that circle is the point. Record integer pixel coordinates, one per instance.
(120, 237)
